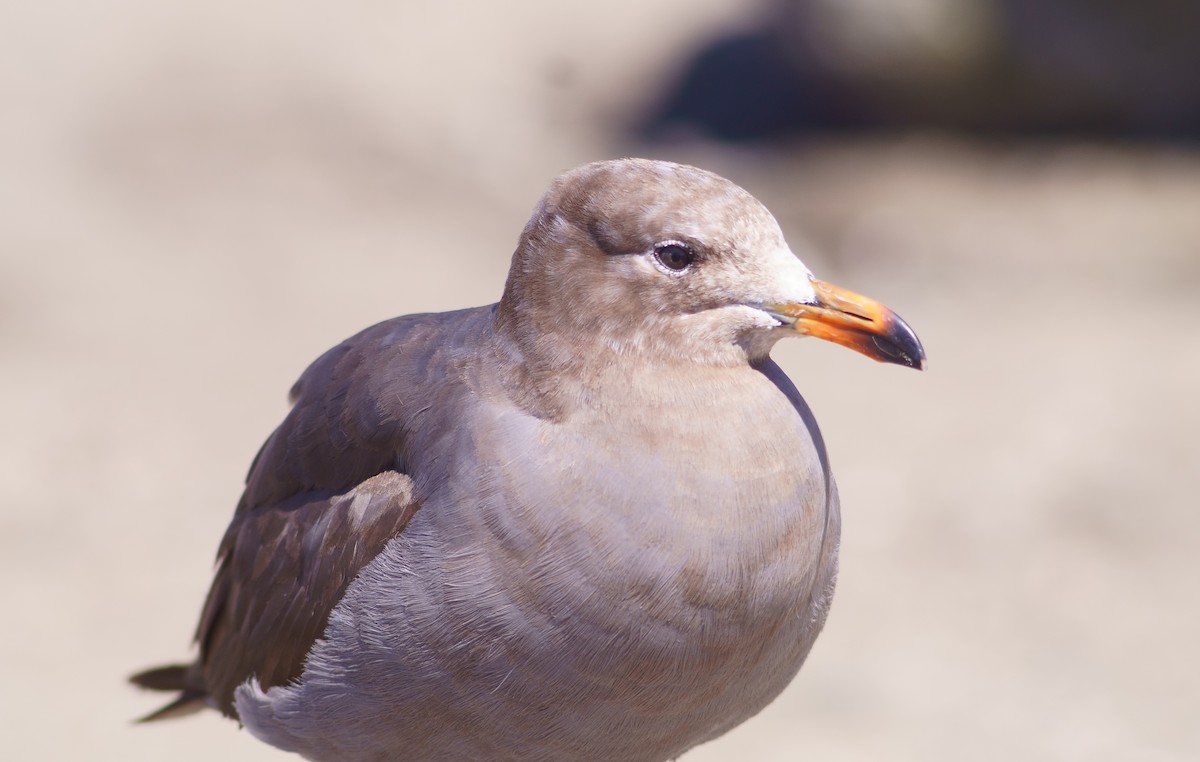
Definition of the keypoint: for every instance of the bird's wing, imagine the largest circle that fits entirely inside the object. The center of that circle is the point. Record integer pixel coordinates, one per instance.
(328, 490)
(282, 569)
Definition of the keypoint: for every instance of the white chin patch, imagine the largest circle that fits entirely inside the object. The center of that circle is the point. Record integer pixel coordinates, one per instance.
(767, 320)
(747, 316)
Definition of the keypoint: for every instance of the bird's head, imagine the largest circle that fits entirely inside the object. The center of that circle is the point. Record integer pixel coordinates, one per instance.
(663, 260)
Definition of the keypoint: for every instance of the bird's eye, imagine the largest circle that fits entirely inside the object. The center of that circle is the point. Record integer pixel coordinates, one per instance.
(674, 256)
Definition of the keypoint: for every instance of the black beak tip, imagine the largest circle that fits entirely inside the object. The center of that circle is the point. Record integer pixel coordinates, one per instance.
(899, 345)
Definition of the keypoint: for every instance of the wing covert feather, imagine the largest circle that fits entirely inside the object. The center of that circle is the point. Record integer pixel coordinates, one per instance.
(326, 492)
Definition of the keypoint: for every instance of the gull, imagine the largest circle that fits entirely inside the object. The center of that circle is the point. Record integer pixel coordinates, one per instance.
(592, 521)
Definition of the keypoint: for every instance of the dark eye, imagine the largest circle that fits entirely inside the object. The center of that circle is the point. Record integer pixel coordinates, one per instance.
(674, 256)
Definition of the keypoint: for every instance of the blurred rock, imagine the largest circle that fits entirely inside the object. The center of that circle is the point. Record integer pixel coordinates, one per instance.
(1098, 68)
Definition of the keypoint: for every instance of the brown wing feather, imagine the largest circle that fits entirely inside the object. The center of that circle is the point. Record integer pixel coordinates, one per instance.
(325, 494)
(282, 570)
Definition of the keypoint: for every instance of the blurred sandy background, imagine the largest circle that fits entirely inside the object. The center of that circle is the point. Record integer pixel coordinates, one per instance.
(197, 198)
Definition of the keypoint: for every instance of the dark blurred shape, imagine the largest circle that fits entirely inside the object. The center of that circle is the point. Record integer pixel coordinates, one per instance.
(745, 87)
(1091, 68)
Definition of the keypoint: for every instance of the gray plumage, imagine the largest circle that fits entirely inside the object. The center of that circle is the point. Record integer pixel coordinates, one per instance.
(593, 521)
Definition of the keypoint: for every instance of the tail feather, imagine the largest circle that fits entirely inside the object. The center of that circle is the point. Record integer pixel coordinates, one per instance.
(173, 677)
(189, 702)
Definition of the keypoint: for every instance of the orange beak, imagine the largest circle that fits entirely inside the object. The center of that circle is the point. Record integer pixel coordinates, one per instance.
(854, 321)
